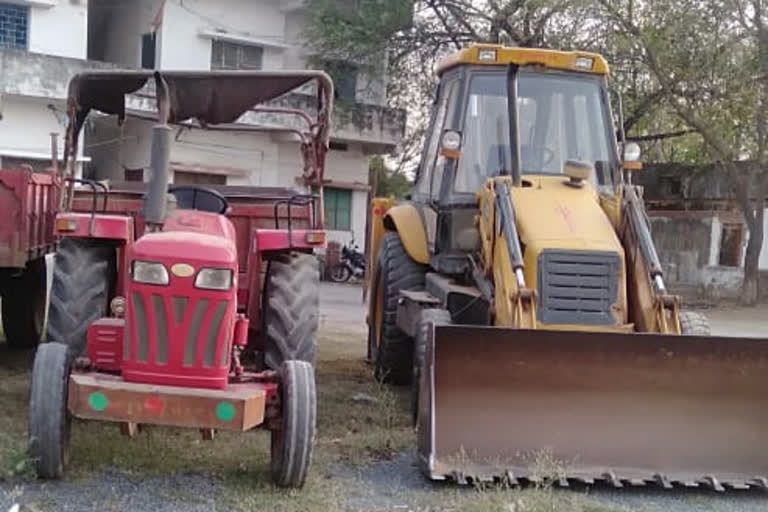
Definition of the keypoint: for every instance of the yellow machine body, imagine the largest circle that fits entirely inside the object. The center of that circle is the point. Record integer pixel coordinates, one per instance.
(585, 366)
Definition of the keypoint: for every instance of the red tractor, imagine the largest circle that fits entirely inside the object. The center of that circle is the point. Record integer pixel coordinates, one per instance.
(158, 292)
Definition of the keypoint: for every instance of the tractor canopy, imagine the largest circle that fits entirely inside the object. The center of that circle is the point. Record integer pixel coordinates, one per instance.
(210, 100)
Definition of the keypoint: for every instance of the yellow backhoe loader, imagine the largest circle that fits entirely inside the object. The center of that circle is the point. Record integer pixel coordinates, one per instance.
(520, 290)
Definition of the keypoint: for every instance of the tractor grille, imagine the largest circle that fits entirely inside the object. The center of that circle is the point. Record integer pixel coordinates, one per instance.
(578, 287)
(171, 339)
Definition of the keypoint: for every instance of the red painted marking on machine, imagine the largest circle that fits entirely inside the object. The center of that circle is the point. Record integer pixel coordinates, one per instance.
(567, 217)
(154, 404)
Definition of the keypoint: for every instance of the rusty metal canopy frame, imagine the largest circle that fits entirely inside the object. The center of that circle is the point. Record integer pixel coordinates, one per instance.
(207, 98)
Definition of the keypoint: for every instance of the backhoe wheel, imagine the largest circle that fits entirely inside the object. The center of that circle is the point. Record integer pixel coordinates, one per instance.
(694, 323)
(83, 277)
(389, 348)
(49, 420)
(291, 309)
(292, 444)
(429, 318)
(23, 306)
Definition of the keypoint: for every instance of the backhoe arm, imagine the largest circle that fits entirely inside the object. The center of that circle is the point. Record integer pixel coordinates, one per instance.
(515, 303)
(655, 309)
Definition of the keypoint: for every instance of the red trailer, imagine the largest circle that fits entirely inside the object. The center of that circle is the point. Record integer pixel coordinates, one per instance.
(159, 290)
(28, 206)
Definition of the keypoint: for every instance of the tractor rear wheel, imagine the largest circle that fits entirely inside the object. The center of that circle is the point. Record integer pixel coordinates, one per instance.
(83, 278)
(23, 306)
(429, 318)
(291, 309)
(292, 444)
(49, 420)
(694, 323)
(389, 348)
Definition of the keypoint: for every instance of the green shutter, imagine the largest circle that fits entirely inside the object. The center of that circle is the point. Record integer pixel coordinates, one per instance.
(343, 210)
(338, 209)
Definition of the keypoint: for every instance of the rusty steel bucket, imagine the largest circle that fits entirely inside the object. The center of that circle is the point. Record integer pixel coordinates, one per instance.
(632, 409)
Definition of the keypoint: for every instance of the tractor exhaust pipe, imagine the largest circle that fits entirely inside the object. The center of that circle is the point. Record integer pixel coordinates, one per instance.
(156, 199)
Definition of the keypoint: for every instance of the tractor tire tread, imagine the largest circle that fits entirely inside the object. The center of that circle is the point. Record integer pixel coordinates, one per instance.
(694, 323)
(292, 309)
(291, 461)
(399, 272)
(83, 276)
(49, 421)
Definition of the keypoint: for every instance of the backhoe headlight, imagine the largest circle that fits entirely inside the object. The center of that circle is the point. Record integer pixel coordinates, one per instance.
(584, 63)
(214, 279)
(148, 272)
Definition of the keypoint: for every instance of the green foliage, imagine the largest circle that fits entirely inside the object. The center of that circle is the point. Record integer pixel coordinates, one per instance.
(389, 183)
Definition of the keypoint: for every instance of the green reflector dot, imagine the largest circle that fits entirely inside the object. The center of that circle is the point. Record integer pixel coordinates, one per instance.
(98, 401)
(225, 411)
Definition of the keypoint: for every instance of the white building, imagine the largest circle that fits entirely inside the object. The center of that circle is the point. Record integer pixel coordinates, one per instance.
(48, 41)
(32, 89)
(237, 34)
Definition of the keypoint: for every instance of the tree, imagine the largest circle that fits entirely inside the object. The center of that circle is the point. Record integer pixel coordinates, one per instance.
(388, 182)
(709, 61)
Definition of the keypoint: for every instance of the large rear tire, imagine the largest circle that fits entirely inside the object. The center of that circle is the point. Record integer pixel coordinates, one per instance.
(694, 323)
(291, 309)
(23, 306)
(49, 420)
(291, 446)
(429, 318)
(390, 349)
(83, 278)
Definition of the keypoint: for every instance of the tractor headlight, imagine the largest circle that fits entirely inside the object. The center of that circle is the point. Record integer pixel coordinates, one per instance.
(148, 272)
(214, 279)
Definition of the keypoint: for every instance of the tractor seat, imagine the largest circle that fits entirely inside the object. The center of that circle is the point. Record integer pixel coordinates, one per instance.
(199, 198)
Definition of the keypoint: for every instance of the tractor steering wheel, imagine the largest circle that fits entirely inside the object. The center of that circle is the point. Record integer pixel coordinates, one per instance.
(535, 158)
(190, 197)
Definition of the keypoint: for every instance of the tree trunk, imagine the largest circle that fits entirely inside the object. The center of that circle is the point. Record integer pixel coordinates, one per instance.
(750, 290)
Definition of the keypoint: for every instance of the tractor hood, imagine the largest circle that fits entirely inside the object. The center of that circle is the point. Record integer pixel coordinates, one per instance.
(191, 236)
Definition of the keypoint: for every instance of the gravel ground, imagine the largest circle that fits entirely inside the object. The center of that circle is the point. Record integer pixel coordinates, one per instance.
(379, 486)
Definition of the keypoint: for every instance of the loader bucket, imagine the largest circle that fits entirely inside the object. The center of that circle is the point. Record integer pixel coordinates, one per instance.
(632, 409)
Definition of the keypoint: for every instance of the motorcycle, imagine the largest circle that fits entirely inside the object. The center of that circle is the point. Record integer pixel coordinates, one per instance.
(352, 264)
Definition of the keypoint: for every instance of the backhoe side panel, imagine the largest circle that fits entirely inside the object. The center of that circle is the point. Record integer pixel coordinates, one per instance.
(527, 404)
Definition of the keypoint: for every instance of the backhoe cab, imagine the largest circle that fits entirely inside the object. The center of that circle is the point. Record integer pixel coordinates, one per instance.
(523, 216)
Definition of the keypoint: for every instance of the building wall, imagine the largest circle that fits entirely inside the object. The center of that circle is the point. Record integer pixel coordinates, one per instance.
(26, 125)
(185, 46)
(59, 30)
(119, 30)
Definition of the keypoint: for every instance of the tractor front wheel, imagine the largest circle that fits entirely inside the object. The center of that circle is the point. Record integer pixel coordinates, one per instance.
(292, 444)
(49, 420)
(291, 309)
(83, 278)
(23, 306)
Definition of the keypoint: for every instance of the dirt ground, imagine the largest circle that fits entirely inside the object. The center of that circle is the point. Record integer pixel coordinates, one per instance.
(364, 458)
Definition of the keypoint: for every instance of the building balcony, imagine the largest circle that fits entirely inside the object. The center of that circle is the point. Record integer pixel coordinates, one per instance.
(37, 75)
(379, 129)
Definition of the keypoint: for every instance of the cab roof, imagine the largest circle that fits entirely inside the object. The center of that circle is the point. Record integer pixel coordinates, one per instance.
(498, 55)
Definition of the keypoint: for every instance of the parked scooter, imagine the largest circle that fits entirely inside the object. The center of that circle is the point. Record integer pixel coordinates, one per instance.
(352, 264)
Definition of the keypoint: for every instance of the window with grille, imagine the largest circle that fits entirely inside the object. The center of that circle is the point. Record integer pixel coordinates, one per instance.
(14, 26)
(226, 55)
(338, 208)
